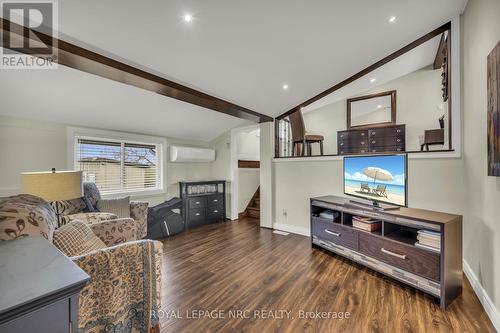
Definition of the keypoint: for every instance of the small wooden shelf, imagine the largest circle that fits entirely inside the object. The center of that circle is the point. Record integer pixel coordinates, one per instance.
(376, 232)
(400, 233)
(402, 236)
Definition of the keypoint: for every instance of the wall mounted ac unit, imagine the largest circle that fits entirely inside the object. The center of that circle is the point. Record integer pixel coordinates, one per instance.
(180, 154)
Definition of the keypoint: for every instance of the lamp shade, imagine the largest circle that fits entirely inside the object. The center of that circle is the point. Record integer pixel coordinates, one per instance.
(53, 186)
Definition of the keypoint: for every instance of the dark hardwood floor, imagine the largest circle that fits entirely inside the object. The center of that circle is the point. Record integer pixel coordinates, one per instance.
(216, 269)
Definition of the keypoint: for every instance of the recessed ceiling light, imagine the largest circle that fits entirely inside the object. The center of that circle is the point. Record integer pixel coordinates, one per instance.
(373, 80)
(285, 86)
(187, 18)
(392, 19)
(379, 106)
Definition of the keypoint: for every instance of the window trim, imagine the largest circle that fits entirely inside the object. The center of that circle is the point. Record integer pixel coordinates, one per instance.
(74, 133)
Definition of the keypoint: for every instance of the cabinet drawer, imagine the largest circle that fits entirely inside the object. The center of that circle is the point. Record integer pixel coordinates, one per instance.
(353, 143)
(195, 203)
(196, 215)
(387, 131)
(215, 200)
(215, 213)
(379, 149)
(406, 257)
(336, 233)
(352, 135)
(387, 141)
(351, 150)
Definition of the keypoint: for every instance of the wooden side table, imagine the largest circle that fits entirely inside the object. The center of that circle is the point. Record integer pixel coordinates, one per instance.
(39, 287)
(433, 137)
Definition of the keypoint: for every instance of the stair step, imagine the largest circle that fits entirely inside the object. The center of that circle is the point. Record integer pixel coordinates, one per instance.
(253, 208)
(253, 212)
(253, 215)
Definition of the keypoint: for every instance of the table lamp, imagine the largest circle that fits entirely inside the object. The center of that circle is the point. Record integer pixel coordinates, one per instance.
(53, 186)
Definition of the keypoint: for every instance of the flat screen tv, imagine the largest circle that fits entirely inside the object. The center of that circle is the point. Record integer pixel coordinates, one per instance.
(379, 178)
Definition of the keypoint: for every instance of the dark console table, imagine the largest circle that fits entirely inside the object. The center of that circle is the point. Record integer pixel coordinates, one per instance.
(203, 202)
(39, 287)
(372, 140)
(391, 250)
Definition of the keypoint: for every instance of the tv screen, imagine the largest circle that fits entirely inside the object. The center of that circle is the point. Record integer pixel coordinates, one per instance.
(380, 178)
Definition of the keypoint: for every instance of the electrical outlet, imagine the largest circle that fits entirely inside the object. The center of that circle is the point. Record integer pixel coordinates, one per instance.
(285, 213)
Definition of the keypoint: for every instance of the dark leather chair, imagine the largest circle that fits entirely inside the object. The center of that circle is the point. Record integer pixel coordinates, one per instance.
(301, 139)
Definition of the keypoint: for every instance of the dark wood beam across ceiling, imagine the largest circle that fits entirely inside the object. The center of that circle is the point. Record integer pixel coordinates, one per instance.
(79, 58)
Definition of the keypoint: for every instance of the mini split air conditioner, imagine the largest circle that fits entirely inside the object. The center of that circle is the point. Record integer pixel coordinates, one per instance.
(180, 154)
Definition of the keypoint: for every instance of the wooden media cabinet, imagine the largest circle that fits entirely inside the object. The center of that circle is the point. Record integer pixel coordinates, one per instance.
(391, 250)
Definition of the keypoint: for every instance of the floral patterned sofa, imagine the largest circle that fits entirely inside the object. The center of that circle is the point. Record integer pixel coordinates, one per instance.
(75, 209)
(123, 294)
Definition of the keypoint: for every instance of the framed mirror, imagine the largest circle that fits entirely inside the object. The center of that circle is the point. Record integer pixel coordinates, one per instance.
(376, 110)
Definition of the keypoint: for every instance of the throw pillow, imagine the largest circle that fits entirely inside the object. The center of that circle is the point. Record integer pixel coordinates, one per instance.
(26, 215)
(120, 207)
(68, 207)
(76, 238)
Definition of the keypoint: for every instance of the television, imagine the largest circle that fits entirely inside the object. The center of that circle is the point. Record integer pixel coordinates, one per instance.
(379, 178)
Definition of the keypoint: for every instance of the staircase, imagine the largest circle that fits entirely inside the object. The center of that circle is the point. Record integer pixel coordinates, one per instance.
(253, 208)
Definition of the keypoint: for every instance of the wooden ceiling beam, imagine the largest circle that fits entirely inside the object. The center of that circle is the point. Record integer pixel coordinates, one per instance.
(441, 52)
(82, 59)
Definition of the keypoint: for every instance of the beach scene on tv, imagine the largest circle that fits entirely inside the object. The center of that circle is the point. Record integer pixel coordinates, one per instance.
(380, 178)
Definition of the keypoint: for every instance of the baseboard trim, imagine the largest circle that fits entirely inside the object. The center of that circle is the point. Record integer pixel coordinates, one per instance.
(292, 229)
(485, 300)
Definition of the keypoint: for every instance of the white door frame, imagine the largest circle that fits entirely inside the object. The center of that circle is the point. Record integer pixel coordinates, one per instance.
(234, 168)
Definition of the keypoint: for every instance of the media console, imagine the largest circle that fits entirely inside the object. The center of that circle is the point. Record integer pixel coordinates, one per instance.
(391, 250)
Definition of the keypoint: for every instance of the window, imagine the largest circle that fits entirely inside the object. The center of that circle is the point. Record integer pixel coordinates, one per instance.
(119, 166)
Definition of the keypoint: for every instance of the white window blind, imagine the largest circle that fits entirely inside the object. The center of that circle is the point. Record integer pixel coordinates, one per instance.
(118, 166)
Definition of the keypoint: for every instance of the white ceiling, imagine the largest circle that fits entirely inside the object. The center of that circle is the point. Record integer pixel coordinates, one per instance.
(419, 57)
(77, 98)
(244, 51)
(238, 50)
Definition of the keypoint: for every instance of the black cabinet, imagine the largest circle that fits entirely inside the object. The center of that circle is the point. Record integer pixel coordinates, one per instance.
(372, 140)
(39, 287)
(203, 202)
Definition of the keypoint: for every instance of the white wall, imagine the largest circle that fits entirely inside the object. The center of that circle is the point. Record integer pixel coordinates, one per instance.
(267, 197)
(249, 145)
(434, 184)
(419, 105)
(480, 33)
(31, 145)
(27, 145)
(177, 172)
(220, 169)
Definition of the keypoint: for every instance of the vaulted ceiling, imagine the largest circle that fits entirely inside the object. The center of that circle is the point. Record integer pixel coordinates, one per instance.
(241, 51)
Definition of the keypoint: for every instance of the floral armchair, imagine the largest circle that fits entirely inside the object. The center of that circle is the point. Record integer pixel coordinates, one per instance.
(76, 209)
(123, 294)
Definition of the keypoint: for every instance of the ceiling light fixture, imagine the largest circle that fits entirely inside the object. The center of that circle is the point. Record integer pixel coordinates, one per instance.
(285, 86)
(373, 80)
(187, 18)
(392, 19)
